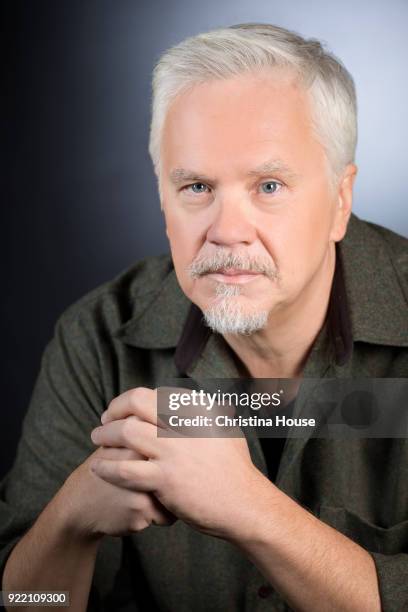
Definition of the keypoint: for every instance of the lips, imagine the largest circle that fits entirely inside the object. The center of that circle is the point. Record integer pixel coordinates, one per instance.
(233, 276)
(234, 272)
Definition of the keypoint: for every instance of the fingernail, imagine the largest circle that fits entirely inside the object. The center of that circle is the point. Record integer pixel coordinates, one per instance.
(103, 417)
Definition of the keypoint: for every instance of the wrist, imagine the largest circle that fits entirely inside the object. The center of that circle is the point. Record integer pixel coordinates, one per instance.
(255, 512)
(67, 514)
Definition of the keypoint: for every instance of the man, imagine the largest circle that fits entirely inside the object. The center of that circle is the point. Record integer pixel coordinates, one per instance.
(253, 138)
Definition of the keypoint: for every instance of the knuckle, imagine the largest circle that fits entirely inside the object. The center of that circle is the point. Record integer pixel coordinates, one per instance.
(128, 430)
(124, 471)
(136, 395)
(136, 502)
(128, 454)
(147, 504)
(139, 523)
(141, 502)
(139, 395)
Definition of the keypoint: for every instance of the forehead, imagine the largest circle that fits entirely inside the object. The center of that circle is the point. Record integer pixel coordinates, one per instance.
(243, 120)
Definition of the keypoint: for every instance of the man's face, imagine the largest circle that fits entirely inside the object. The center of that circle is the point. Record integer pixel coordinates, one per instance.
(249, 211)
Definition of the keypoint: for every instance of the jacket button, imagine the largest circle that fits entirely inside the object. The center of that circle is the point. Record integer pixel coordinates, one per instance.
(264, 591)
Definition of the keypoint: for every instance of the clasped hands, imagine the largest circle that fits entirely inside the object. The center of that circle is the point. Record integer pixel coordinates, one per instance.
(209, 483)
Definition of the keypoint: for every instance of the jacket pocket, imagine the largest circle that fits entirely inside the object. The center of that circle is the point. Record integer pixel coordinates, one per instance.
(386, 540)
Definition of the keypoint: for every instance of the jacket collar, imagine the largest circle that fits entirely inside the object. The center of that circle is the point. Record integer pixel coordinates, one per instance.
(158, 317)
(378, 305)
(370, 306)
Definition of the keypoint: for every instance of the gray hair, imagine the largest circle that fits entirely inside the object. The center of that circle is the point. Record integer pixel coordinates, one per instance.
(247, 48)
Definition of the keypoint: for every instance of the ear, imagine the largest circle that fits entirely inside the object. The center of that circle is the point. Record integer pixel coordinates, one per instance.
(343, 202)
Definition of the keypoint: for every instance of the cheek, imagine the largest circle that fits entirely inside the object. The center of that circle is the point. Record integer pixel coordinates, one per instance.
(179, 246)
(299, 240)
(185, 240)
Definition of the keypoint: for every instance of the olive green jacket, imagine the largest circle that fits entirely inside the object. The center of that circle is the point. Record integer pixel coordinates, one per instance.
(125, 334)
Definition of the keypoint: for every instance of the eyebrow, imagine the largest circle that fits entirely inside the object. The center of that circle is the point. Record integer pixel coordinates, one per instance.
(181, 175)
(272, 166)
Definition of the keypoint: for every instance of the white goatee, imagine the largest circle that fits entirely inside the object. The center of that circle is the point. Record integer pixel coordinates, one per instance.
(226, 315)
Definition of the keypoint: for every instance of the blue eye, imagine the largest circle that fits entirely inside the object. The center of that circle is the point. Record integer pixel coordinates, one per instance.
(270, 187)
(198, 188)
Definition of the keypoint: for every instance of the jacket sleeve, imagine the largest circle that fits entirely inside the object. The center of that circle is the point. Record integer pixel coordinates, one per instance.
(65, 406)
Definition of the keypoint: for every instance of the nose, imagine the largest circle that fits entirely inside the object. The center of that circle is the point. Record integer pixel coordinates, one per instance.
(232, 223)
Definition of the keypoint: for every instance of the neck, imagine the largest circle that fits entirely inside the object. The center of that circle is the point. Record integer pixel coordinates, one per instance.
(281, 349)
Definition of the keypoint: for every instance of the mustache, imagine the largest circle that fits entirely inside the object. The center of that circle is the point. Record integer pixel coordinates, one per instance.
(222, 259)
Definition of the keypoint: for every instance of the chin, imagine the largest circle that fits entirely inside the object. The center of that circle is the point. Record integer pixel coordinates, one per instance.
(228, 316)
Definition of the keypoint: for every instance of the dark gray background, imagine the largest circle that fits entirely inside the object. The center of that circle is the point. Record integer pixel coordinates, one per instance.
(79, 200)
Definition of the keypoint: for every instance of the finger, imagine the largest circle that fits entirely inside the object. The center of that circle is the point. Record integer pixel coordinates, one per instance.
(107, 452)
(129, 433)
(140, 402)
(134, 475)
